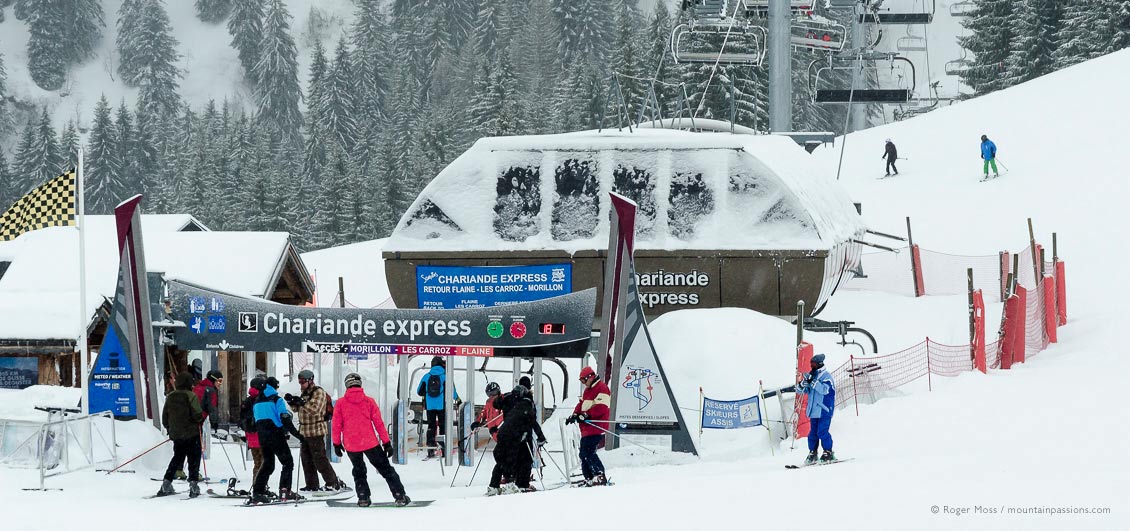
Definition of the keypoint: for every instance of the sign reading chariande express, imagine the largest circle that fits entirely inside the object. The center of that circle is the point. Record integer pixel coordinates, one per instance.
(558, 326)
(449, 288)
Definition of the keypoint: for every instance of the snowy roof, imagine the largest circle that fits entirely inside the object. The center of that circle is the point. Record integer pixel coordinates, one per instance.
(361, 267)
(39, 291)
(695, 191)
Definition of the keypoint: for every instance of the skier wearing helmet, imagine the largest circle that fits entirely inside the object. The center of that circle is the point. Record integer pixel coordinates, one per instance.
(514, 455)
(359, 432)
(432, 389)
(491, 415)
(592, 413)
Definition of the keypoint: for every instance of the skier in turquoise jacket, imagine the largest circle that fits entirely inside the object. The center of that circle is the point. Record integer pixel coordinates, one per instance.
(989, 153)
(820, 388)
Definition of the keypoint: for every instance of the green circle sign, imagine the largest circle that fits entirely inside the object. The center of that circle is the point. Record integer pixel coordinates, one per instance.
(494, 329)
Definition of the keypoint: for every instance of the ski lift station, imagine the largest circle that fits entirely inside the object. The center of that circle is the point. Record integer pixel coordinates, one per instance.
(724, 220)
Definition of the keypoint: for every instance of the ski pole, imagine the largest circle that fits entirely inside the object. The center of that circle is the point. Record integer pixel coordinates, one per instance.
(999, 161)
(473, 474)
(555, 465)
(618, 437)
(138, 456)
(541, 478)
(224, 449)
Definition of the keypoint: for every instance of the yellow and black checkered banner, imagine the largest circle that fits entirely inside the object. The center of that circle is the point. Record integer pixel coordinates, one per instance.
(52, 204)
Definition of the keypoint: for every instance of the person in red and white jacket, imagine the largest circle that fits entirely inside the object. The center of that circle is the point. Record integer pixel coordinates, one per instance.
(359, 430)
(490, 416)
(592, 413)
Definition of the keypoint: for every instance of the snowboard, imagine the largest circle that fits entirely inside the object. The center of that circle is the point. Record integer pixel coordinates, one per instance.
(378, 505)
(287, 502)
(214, 494)
(328, 493)
(818, 463)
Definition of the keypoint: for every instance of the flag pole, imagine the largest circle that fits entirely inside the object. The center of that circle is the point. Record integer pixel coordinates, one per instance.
(84, 351)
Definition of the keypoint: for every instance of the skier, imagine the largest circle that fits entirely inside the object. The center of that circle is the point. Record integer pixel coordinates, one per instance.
(247, 423)
(513, 455)
(272, 422)
(491, 415)
(891, 153)
(989, 153)
(313, 414)
(356, 416)
(821, 390)
(206, 393)
(431, 388)
(182, 416)
(592, 412)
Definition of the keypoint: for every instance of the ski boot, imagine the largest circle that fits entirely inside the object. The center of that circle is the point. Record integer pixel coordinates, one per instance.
(309, 489)
(363, 501)
(402, 499)
(811, 459)
(493, 491)
(337, 487)
(257, 499)
(599, 480)
(509, 488)
(288, 495)
(193, 489)
(181, 476)
(524, 490)
(828, 456)
(166, 488)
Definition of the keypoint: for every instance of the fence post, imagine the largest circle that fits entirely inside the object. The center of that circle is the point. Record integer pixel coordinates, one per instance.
(1061, 291)
(1021, 328)
(1004, 275)
(854, 388)
(929, 378)
(1048, 287)
(1035, 254)
(915, 262)
(972, 315)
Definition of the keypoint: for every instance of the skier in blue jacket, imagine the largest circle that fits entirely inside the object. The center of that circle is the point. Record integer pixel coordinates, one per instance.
(272, 423)
(989, 153)
(432, 389)
(820, 388)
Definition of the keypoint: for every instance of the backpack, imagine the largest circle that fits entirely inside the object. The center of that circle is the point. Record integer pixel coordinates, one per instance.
(247, 415)
(329, 415)
(435, 387)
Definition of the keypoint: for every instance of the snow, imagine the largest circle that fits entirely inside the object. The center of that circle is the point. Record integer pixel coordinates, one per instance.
(1044, 434)
(359, 264)
(39, 291)
(787, 204)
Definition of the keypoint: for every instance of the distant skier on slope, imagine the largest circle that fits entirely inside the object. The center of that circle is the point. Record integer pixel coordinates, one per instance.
(989, 153)
(891, 153)
(821, 391)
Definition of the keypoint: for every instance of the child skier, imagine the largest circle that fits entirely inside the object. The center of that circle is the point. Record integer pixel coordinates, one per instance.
(359, 430)
(821, 391)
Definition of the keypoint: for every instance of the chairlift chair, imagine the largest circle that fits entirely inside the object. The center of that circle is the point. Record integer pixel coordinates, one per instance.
(897, 95)
(742, 36)
(920, 106)
(760, 8)
(708, 9)
(958, 67)
(911, 42)
(820, 35)
(872, 15)
(962, 9)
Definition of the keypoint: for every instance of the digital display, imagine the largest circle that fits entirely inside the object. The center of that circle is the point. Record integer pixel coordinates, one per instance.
(552, 328)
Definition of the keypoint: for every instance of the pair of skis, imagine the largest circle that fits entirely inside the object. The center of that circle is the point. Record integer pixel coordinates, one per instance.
(818, 463)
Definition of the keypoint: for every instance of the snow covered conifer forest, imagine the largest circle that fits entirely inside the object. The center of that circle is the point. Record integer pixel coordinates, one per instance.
(335, 124)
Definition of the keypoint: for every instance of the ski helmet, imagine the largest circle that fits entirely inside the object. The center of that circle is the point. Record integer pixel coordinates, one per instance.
(273, 382)
(352, 380)
(306, 375)
(438, 360)
(520, 391)
(258, 383)
(984, 137)
(818, 360)
(493, 389)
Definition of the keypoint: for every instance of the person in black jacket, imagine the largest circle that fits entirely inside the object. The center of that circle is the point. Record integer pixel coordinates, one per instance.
(891, 154)
(513, 456)
(182, 416)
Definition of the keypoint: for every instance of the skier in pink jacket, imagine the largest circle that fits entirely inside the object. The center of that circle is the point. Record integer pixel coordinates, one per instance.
(359, 430)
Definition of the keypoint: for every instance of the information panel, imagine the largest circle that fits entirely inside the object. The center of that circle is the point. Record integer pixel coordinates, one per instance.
(452, 288)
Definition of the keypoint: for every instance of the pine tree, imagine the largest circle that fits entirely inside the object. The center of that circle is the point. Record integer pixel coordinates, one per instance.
(330, 220)
(103, 164)
(130, 20)
(5, 118)
(83, 22)
(246, 29)
(26, 160)
(628, 55)
(488, 29)
(989, 39)
(68, 145)
(585, 29)
(370, 59)
(277, 92)
(144, 155)
(1033, 41)
(48, 158)
(1120, 19)
(123, 126)
(537, 67)
(213, 11)
(8, 194)
(314, 157)
(153, 49)
(47, 48)
(496, 109)
(339, 107)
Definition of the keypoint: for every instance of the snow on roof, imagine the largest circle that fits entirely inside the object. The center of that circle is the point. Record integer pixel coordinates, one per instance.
(359, 264)
(39, 291)
(695, 190)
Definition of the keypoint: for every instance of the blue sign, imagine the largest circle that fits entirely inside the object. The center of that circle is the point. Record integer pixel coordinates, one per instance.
(451, 288)
(19, 373)
(728, 415)
(111, 380)
(217, 305)
(217, 324)
(197, 305)
(196, 324)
